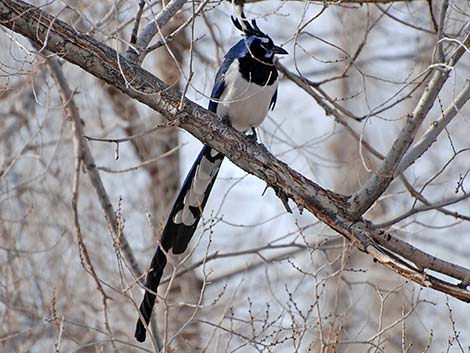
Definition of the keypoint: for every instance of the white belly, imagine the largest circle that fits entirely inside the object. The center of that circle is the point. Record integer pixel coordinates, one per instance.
(246, 104)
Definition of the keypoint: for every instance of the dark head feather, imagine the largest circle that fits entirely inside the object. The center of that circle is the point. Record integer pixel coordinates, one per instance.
(250, 29)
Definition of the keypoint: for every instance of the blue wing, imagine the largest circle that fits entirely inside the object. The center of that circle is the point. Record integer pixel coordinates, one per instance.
(239, 50)
(219, 86)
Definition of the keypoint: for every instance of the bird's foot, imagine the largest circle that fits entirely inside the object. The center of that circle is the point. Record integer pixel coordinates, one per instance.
(253, 136)
(226, 121)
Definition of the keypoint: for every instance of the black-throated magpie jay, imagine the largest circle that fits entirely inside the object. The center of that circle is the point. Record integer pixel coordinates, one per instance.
(245, 88)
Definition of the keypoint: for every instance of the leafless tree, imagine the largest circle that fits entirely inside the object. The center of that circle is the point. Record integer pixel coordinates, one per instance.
(346, 228)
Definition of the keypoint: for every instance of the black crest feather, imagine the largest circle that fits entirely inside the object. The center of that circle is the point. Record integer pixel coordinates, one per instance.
(250, 29)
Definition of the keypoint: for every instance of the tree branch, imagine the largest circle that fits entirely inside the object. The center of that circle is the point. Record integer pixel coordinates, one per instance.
(437, 126)
(144, 38)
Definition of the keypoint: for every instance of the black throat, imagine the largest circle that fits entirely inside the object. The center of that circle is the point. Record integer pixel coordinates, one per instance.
(254, 70)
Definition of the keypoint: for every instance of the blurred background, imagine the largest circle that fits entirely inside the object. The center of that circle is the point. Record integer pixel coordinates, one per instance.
(256, 278)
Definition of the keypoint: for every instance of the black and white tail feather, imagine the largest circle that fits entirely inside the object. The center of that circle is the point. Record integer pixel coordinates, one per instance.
(245, 88)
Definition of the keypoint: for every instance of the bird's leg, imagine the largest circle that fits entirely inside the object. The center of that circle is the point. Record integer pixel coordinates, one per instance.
(226, 121)
(253, 136)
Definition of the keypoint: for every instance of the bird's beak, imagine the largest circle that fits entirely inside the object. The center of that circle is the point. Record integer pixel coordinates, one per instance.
(279, 50)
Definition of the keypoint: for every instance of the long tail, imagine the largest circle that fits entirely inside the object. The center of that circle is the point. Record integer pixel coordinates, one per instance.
(180, 226)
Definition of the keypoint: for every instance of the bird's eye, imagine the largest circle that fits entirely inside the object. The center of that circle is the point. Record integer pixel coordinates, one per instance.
(266, 45)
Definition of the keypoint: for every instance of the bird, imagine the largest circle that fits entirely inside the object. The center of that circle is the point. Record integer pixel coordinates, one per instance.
(245, 89)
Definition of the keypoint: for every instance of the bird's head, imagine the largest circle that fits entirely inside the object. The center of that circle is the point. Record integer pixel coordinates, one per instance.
(258, 43)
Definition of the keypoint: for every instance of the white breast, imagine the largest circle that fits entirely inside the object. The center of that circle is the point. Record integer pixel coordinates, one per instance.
(244, 103)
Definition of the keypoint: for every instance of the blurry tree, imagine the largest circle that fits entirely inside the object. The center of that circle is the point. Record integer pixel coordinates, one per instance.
(371, 105)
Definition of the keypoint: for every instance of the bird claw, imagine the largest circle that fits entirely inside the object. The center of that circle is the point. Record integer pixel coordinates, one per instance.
(226, 121)
(253, 136)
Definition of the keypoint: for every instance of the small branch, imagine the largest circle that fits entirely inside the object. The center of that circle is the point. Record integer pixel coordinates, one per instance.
(218, 255)
(387, 13)
(339, 117)
(337, 111)
(325, 244)
(135, 136)
(170, 37)
(382, 245)
(439, 207)
(437, 126)
(143, 164)
(440, 31)
(431, 14)
(143, 40)
(428, 206)
(135, 29)
(421, 259)
(418, 276)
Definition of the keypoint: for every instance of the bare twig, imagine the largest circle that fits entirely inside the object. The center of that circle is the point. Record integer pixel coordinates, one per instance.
(437, 126)
(170, 37)
(440, 31)
(135, 29)
(134, 136)
(339, 116)
(143, 164)
(143, 40)
(408, 24)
